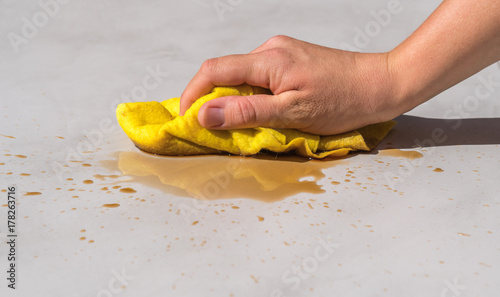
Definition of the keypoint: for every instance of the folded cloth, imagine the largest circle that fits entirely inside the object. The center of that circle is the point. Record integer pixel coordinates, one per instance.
(157, 128)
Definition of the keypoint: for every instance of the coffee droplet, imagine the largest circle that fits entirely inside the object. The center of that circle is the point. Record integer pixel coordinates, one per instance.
(111, 205)
(128, 190)
(412, 155)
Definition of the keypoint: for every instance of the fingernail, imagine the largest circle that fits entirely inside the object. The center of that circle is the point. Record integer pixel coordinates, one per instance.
(214, 117)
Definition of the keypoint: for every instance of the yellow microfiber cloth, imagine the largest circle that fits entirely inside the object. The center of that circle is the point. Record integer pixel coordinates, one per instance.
(157, 128)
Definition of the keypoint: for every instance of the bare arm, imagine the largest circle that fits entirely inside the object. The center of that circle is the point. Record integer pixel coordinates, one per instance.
(459, 39)
(327, 91)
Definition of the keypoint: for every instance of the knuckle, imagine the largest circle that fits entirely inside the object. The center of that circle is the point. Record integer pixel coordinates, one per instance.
(209, 65)
(278, 40)
(244, 112)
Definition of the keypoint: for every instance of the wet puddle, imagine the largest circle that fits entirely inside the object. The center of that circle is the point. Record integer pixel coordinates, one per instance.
(263, 177)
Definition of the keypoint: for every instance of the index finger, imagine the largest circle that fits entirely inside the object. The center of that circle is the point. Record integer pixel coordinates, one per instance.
(230, 70)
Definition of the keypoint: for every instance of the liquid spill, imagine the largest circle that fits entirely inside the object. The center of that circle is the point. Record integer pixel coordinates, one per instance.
(104, 177)
(265, 177)
(412, 155)
(438, 170)
(128, 190)
(8, 136)
(111, 205)
(32, 193)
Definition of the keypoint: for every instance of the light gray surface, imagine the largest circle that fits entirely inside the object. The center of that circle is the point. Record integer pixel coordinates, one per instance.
(427, 232)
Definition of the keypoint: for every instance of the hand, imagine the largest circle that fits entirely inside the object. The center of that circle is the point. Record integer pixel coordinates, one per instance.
(315, 89)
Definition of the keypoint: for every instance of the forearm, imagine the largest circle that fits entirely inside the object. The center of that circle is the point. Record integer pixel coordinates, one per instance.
(459, 39)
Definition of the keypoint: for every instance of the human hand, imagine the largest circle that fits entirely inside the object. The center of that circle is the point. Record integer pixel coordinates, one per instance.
(315, 89)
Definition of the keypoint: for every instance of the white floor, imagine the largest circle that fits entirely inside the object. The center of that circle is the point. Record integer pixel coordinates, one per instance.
(392, 226)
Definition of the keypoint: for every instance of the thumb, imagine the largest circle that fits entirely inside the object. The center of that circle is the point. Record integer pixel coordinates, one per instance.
(238, 112)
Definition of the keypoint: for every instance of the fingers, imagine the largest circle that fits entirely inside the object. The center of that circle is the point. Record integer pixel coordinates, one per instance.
(226, 71)
(254, 69)
(238, 112)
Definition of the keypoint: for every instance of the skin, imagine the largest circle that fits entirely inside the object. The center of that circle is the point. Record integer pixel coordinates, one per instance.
(327, 91)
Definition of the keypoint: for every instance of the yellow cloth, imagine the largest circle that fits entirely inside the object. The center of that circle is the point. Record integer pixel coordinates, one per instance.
(157, 128)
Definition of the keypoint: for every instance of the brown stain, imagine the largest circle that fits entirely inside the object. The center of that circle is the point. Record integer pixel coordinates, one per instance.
(86, 165)
(60, 137)
(111, 205)
(267, 178)
(412, 155)
(32, 193)
(335, 183)
(463, 234)
(8, 136)
(88, 182)
(195, 223)
(83, 238)
(438, 170)
(261, 219)
(256, 280)
(128, 190)
(20, 156)
(2, 163)
(104, 177)
(24, 174)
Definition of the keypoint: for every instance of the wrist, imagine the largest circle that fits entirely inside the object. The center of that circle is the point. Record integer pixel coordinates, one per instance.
(386, 93)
